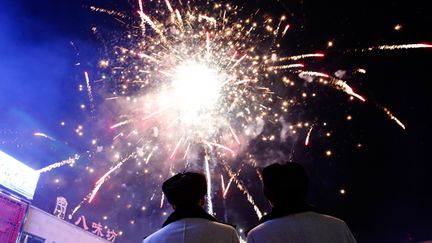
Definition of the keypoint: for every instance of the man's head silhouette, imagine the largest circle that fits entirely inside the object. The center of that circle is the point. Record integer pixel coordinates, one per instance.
(285, 183)
(185, 189)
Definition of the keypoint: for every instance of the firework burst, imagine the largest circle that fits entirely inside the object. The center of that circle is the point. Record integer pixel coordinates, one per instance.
(193, 85)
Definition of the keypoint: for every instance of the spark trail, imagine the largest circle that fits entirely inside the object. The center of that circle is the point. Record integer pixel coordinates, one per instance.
(308, 136)
(392, 117)
(90, 196)
(41, 134)
(69, 161)
(243, 189)
(209, 185)
(398, 47)
(89, 92)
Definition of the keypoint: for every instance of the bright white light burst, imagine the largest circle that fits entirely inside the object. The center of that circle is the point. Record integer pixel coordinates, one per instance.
(196, 89)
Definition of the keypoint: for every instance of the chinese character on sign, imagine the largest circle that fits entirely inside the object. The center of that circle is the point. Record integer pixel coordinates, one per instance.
(111, 235)
(82, 218)
(60, 208)
(98, 229)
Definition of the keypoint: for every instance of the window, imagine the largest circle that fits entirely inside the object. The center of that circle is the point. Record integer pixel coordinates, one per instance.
(29, 238)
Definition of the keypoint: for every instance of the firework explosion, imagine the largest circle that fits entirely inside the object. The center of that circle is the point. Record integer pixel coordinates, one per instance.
(191, 87)
(194, 83)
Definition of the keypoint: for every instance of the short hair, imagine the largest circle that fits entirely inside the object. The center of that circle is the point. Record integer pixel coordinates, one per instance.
(185, 188)
(285, 183)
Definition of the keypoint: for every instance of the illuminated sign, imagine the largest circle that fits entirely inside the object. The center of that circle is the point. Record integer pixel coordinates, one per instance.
(12, 213)
(17, 176)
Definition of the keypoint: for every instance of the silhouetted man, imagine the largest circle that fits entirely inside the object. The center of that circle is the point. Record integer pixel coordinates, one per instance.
(291, 219)
(189, 222)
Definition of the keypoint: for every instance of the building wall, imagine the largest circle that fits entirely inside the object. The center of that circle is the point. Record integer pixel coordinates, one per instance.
(55, 230)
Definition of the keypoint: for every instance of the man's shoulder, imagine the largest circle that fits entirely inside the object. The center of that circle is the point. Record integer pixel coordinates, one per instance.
(197, 228)
(306, 217)
(309, 225)
(219, 225)
(156, 236)
(328, 218)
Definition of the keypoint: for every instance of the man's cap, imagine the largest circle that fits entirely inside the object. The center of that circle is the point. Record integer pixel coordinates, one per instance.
(185, 188)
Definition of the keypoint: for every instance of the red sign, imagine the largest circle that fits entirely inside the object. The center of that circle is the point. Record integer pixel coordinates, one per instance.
(12, 213)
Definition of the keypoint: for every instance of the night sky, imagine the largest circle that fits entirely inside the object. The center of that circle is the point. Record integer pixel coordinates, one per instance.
(45, 47)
